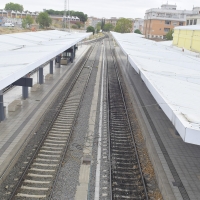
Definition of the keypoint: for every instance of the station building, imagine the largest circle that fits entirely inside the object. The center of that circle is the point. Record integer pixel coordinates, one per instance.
(187, 37)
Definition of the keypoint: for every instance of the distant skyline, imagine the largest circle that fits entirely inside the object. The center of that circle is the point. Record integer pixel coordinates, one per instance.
(103, 8)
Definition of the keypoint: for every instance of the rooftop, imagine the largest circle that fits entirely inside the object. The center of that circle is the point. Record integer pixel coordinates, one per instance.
(173, 78)
(192, 27)
(21, 53)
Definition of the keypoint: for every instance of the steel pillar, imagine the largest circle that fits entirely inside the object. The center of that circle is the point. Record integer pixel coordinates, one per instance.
(2, 114)
(51, 67)
(41, 79)
(24, 92)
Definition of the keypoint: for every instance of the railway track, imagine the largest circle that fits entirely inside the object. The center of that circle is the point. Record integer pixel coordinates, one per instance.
(126, 177)
(40, 175)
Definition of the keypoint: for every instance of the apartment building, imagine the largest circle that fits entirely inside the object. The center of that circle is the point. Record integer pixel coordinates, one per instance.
(92, 21)
(112, 20)
(159, 21)
(138, 23)
(17, 14)
(15, 17)
(194, 19)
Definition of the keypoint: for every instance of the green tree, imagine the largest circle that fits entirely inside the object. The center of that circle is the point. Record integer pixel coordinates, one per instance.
(83, 17)
(44, 20)
(169, 35)
(137, 31)
(124, 26)
(108, 27)
(90, 29)
(79, 24)
(27, 21)
(98, 27)
(102, 23)
(14, 6)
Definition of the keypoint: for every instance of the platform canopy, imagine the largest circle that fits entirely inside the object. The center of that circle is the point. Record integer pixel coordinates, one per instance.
(21, 53)
(172, 77)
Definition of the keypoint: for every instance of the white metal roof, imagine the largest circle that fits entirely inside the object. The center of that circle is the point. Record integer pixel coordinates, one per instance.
(192, 27)
(20, 53)
(173, 78)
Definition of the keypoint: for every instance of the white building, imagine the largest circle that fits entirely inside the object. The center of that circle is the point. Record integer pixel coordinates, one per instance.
(194, 19)
(138, 24)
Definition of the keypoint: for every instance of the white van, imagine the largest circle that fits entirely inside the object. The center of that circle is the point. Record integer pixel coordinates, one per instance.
(9, 24)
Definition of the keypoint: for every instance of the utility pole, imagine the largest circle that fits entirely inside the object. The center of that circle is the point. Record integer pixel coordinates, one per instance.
(65, 13)
(69, 16)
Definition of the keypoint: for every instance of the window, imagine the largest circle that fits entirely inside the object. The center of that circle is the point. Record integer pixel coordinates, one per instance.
(166, 30)
(191, 22)
(180, 23)
(168, 22)
(187, 22)
(195, 21)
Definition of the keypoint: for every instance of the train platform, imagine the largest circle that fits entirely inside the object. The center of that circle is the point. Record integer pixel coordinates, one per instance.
(176, 162)
(20, 125)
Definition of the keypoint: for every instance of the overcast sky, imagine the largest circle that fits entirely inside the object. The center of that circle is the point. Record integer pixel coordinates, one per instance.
(103, 8)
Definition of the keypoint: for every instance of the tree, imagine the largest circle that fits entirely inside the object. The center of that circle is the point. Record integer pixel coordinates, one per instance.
(44, 20)
(27, 21)
(83, 17)
(102, 23)
(137, 31)
(98, 27)
(79, 24)
(90, 29)
(108, 27)
(169, 35)
(124, 26)
(14, 6)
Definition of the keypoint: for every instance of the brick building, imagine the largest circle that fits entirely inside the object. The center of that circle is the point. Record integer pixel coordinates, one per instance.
(159, 21)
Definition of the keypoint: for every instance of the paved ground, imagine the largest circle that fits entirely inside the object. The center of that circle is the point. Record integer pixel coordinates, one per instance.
(19, 125)
(180, 160)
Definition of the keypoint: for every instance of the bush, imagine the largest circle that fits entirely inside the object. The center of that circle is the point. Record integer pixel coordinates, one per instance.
(74, 26)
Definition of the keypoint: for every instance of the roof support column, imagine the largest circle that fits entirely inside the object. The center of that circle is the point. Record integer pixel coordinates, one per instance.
(2, 114)
(51, 67)
(75, 51)
(24, 92)
(41, 79)
(58, 58)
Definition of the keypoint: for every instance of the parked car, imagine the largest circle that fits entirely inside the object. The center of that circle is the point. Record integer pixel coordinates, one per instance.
(9, 25)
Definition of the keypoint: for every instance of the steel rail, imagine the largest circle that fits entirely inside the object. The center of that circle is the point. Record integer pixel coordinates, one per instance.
(108, 128)
(74, 122)
(20, 181)
(128, 119)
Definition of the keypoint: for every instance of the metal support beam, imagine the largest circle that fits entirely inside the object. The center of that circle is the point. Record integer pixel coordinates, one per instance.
(2, 114)
(51, 67)
(24, 92)
(41, 79)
